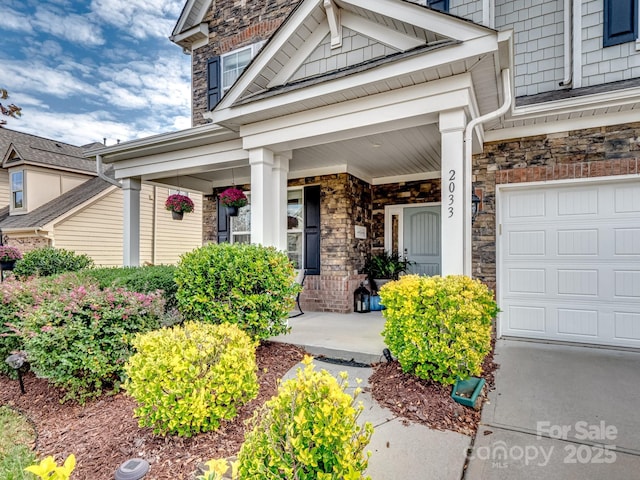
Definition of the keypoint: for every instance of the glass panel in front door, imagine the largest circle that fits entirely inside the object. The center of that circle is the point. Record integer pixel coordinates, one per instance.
(421, 239)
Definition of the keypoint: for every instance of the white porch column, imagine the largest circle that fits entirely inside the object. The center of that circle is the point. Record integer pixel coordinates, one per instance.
(263, 197)
(280, 171)
(131, 217)
(453, 210)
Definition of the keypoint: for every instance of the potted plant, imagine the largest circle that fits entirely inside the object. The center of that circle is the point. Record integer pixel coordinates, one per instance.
(385, 267)
(178, 205)
(8, 257)
(233, 199)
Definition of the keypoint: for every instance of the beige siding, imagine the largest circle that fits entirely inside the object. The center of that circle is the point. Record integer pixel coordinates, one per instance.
(175, 237)
(40, 188)
(97, 229)
(68, 182)
(4, 187)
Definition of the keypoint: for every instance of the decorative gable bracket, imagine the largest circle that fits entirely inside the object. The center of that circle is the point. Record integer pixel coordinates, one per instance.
(335, 26)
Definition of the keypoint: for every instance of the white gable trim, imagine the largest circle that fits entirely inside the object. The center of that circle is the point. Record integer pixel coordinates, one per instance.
(427, 19)
(406, 66)
(186, 12)
(381, 33)
(301, 55)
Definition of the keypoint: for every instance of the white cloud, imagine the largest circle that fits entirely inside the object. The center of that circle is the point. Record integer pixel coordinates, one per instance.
(13, 20)
(70, 26)
(140, 18)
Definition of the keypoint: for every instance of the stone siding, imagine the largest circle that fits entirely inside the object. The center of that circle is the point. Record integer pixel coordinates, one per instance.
(424, 191)
(232, 24)
(595, 152)
(26, 244)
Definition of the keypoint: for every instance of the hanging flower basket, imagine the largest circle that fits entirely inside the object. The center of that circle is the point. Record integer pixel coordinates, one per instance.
(178, 205)
(8, 257)
(233, 197)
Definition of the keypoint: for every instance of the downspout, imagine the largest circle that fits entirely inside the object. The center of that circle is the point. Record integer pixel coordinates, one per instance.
(568, 39)
(102, 175)
(468, 158)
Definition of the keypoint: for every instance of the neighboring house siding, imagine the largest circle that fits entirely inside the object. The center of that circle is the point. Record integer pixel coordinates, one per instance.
(4, 187)
(466, 9)
(95, 231)
(356, 48)
(232, 25)
(68, 183)
(604, 65)
(538, 42)
(175, 237)
(594, 152)
(43, 186)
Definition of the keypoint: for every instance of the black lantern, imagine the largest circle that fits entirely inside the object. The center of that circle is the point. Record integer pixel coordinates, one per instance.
(475, 205)
(361, 299)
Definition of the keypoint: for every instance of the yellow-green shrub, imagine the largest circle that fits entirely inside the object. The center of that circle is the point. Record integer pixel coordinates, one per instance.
(438, 328)
(188, 378)
(310, 428)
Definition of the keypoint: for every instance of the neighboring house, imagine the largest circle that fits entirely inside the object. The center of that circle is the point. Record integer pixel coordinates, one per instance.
(55, 197)
(367, 125)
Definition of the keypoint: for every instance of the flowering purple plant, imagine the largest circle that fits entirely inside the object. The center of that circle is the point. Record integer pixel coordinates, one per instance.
(232, 197)
(179, 203)
(8, 253)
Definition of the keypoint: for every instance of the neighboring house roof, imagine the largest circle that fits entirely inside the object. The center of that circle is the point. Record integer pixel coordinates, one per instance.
(18, 148)
(56, 208)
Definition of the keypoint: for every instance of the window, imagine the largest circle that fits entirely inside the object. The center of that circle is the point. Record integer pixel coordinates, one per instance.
(295, 227)
(241, 225)
(620, 22)
(232, 66)
(17, 190)
(442, 5)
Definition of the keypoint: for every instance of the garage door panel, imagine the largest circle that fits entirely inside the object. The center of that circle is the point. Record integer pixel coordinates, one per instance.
(570, 267)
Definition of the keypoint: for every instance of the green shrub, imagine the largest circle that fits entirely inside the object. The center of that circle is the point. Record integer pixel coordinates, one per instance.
(138, 279)
(188, 378)
(80, 339)
(438, 328)
(249, 285)
(47, 261)
(310, 428)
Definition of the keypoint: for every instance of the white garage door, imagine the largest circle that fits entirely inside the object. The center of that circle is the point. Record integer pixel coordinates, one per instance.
(569, 263)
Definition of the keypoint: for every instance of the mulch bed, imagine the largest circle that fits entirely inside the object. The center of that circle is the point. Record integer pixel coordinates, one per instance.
(103, 434)
(425, 402)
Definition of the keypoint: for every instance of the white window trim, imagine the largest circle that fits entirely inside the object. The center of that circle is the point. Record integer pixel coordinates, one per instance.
(254, 47)
(24, 191)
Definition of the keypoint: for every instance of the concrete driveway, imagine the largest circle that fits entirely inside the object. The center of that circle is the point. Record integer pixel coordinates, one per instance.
(560, 412)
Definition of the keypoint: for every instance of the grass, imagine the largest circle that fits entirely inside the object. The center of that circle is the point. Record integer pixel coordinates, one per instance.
(16, 440)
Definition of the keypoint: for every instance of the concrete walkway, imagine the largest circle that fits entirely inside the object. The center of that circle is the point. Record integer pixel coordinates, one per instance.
(560, 412)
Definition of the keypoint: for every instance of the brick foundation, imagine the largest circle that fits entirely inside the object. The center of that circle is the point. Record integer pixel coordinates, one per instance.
(26, 244)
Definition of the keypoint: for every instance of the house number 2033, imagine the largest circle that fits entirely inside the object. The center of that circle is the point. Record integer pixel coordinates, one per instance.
(451, 187)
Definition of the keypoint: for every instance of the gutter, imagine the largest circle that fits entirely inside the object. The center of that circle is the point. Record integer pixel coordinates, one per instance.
(468, 158)
(102, 175)
(568, 36)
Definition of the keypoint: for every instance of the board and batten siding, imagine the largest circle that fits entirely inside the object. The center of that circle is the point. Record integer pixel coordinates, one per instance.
(97, 230)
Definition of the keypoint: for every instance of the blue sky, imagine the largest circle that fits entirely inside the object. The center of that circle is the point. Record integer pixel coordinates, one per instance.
(85, 70)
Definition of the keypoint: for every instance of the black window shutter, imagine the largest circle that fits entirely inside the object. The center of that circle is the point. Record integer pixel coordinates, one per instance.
(224, 223)
(442, 5)
(213, 82)
(620, 22)
(312, 230)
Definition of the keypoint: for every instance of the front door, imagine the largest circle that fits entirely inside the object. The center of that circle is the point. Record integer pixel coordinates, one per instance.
(421, 239)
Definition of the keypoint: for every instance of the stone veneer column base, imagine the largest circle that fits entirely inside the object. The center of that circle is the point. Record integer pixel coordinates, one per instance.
(329, 293)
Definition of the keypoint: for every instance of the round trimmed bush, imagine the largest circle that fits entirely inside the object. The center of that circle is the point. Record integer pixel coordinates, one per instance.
(438, 328)
(47, 261)
(249, 285)
(310, 428)
(188, 378)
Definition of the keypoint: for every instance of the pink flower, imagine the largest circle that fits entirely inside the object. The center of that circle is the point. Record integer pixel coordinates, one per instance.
(232, 197)
(179, 204)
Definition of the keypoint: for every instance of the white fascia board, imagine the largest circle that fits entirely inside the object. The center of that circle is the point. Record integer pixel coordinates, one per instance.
(167, 142)
(413, 14)
(382, 33)
(186, 11)
(558, 126)
(411, 177)
(194, 35)
(414, 92)
(267, 52)
(358, 123)
(298, 58)
(408, 66)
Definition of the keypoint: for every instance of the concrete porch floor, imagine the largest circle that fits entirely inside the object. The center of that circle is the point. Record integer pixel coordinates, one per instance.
(353, 336)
